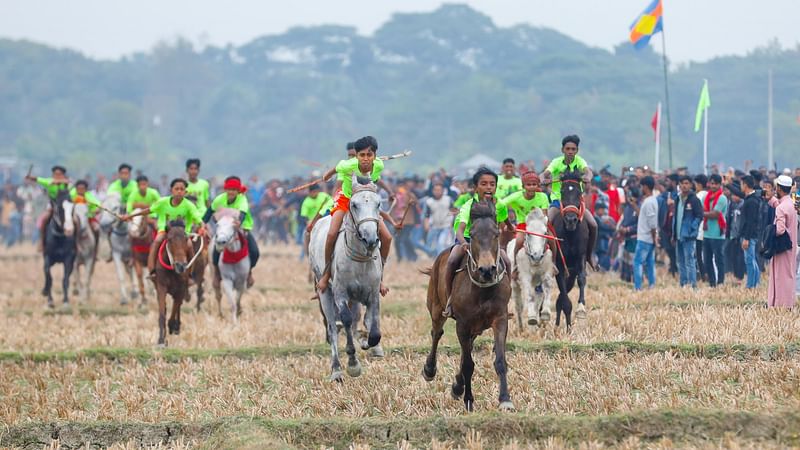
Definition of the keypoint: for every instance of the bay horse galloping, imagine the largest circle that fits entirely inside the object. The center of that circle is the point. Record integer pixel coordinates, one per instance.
(571, 226)
(142, 233)
(59, 245)
(479, 300)
(173, 268)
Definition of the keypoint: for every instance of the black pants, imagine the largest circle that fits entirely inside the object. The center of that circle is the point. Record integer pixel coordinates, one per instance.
(252, 250)
(714, 258)
(701, 267)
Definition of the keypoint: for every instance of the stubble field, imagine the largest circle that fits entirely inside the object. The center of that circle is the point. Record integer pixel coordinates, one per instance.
(660, 369)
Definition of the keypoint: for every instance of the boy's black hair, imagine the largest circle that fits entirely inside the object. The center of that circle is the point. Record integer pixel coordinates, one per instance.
(701, 179)
(481, 172)
(141, 178)
(509, 160)
(648, 181)
(176, 181)
(365, 143)
(686, 178)
(715, 178)
(191, 161)
(61, 168)
(749, 181)
(84, 183)
(351, 146)
(571, 138)
(124, 166)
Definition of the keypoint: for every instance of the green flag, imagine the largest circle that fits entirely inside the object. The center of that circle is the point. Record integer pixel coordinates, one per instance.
(702, 104)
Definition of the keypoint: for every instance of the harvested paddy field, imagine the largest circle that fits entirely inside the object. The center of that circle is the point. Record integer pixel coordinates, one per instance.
(660, 369)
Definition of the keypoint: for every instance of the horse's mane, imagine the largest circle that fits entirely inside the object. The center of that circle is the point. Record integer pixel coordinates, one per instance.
(573, 175)
(482, 210)
(364, 184)
(176, 224)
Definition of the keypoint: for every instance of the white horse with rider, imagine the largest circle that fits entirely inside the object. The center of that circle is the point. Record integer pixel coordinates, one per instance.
(535, 271)
(234, 261)
(121, 253)
(86, 252)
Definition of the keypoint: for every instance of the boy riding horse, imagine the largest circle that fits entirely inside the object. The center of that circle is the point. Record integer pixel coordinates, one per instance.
(522, 203)
(57, 183)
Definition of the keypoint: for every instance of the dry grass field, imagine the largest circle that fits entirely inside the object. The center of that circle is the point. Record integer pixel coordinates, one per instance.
(665, 368)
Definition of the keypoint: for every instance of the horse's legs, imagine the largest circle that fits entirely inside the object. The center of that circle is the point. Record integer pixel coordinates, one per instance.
(581, 313)
(120, 267)
(69, 264)
(500, 328)
(87, 282)
(332, 334)
(137, 267)
(174, 323)
(525, 295)
(230, 294)
(437, 331)
(547, 291)
(353, 366)
(161, 295)
(48, 280)
(372, 321)
(519, 305)
(463, 382)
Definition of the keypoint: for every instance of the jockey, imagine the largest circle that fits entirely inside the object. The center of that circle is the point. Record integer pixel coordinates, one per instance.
(143, 197)
(317, 204)
(364, 164)
(122, 185)
(509, 182)
(168, 209)
(81, 194)
(198, 191)
(234, 198)
(53, 185)
(570, 161)
(485, 182)
(522, 203)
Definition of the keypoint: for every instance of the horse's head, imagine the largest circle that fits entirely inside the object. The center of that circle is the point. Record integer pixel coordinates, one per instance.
(178, 246)
(63, 210)
(484, 241)
(81, 214)
(226, 228)
(536, 246)
(137, 227)
(112, 203)
(571, 199)
(365, 204)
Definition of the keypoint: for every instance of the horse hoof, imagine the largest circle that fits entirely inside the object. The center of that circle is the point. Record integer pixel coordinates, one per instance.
(533, 321)
(364, 344)
(337, 376)
(544, 317)
(428, 376)
(469, 405)
(376, 352)
(580, 314)
(123, 302)
(354, 371)
(161, 345)
(507, 406)
(457, 391)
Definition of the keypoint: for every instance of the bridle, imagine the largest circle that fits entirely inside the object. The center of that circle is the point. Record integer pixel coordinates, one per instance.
(171, 264)
(577, 209)
(352, 253)
(472, 267)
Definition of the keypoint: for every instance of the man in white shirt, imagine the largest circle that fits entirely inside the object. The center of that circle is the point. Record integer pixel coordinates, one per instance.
(644, 260)
(438, 221)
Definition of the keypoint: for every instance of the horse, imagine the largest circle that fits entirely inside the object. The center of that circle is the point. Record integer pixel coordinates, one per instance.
(112, 224)
(356, 272)
(480, 296)
(234, 261)
(86, 251)
(173, 268)
(200, 247)
(571, 227)
(534, 265)
(59, 245)
(142, 235)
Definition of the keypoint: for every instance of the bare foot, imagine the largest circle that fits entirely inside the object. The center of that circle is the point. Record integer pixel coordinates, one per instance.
(384, 290)
(322, 284)
(448, 310)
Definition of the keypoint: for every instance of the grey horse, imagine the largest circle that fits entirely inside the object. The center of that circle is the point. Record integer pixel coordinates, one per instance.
(86, 245)
(233, 276)
(356, 272)
(121, 252)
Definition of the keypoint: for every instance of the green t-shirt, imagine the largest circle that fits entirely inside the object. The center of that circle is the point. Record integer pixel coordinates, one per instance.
(124, 192)
(239, 203)
(166, 213)
(557, 167)
(91, 201)
(312, 206)
(201, 190)
(345, 169)
(522, 206)
(501, 211)
(506, 187)
(149, 198)
(52, 188)
(461, 200)
(714, 231)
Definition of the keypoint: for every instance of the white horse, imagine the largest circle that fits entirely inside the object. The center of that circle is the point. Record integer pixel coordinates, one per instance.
(86, 256)
(356, 272)
(233, 276)
(121, 252)
(534, 265)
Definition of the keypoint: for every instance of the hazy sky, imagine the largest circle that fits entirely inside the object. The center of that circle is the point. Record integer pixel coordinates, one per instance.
(696, 29)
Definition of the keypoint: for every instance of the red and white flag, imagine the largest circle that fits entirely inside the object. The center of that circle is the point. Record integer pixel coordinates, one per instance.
(655, 121)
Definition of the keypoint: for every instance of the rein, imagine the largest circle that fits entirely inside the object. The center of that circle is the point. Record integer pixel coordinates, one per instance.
(560, 252)
(170, 266)
(352, 253)
(472, 266)
(577, 209)
(545, 236)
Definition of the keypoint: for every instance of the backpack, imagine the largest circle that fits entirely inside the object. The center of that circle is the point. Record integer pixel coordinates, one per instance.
(772, 244)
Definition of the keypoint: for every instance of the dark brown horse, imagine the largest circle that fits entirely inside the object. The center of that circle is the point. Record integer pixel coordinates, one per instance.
(573, 230)
(142, 234)
(481, 290)
(173, 268)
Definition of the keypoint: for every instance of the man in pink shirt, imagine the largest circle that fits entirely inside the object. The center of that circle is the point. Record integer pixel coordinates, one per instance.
(782, 270)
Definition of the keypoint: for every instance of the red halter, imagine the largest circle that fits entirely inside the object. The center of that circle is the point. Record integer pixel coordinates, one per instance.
(579, 210)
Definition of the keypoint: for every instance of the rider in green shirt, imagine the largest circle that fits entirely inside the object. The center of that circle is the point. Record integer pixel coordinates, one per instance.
(569, 162)
(317, 204)
(522, 203)
(198, 190)
(143, 197)
(508, 182)
(53, 185)
(168, 209)
(485, 181)
(234, 198)
(122, 185)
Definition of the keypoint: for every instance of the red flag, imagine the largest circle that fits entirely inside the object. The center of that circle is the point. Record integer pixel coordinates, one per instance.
(654, 124)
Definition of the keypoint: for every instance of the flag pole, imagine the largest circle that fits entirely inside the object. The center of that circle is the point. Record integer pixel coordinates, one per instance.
(705, 136)
(658, 139)
(666, 95)
(769, 123)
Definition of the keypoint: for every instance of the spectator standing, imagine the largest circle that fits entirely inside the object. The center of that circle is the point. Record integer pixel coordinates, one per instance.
(686, 226)
(734, 262)
(644, 259)
(715, 208)
(627, 233)
(666, 217)
(750, 230)
(404, 244)
(438, 222)
(605, 232)
(700, 182)
(782, 270)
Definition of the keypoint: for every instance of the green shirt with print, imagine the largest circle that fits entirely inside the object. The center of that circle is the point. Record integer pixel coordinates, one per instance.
(149, 198)
(345, 169)
(166, 212)
(522, 206)
(501, 212)
(558, 167)
(201, 190)
(313, 205)
(123, 191)
(239, 203)
(507, 186)
(52, 188)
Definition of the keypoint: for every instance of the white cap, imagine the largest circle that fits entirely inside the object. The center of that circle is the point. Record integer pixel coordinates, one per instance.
(784, 180)
(787, 171)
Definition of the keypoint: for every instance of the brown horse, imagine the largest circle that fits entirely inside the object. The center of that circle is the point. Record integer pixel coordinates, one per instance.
(481, 291)
(142, 234)
(173, 269)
